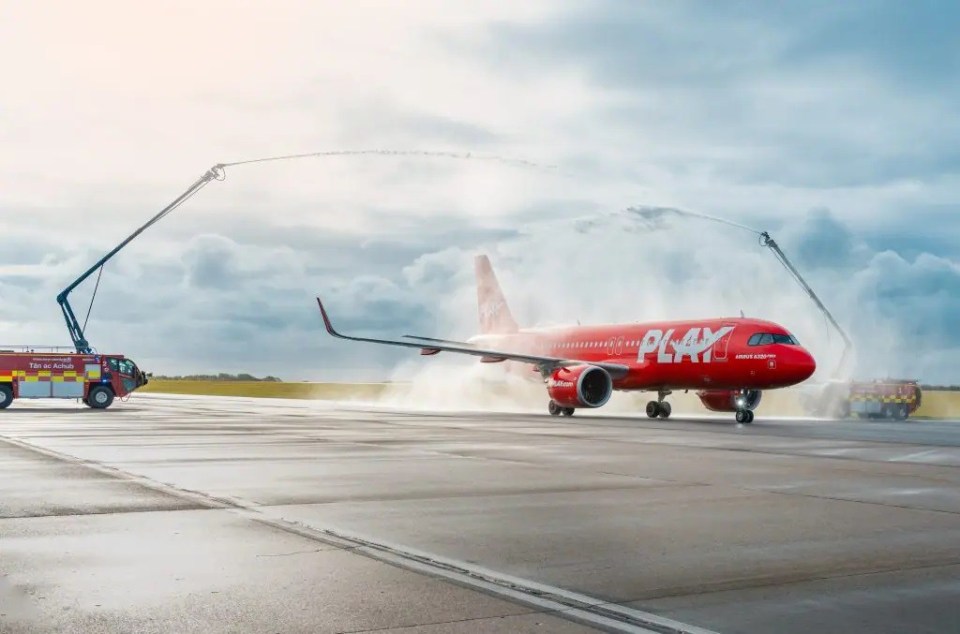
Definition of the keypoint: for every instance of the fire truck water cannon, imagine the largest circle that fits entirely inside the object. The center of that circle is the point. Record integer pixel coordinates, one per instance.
(97, 379)
(73, 325)
(767, 241)
(839, 396)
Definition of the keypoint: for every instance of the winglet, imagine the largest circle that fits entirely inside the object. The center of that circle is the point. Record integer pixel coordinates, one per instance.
(326, 319)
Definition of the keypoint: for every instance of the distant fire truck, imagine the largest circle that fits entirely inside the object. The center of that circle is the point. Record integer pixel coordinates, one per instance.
(96, 379)
(886, 398)
(881, 398)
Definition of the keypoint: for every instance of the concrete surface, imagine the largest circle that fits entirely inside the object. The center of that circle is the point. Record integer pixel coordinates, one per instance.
(207, 514)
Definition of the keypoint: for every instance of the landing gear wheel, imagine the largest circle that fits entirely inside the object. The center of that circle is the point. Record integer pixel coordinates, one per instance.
(6, 396)
(665, 410)
(553, 408)
(567, 411)
(744, 416)
(653, 409)
(100, 397)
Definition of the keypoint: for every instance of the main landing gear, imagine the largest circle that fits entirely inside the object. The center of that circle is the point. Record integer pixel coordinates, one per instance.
(660, 407)
(556, 410)
(744, 416)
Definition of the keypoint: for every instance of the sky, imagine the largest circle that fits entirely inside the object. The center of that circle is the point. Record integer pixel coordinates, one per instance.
(832, 125)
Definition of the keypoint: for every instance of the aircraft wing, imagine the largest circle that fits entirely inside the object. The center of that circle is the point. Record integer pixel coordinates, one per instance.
(463, 344)
(546, 365)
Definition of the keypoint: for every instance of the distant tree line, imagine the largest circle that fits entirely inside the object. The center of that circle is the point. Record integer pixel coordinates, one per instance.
(946, 388)
(223, 376)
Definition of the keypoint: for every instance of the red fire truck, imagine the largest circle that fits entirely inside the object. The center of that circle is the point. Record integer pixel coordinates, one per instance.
(887, 398)
(96, 379)
(881, 398)
(82, 373)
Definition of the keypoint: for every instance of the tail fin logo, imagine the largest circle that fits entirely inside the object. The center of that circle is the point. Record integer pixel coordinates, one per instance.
(490, 311)
(492, 306)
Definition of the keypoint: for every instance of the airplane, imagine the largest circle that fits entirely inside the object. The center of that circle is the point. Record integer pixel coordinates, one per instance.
(728, 361)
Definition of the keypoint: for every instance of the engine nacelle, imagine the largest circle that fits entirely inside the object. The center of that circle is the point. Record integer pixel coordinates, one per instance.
(729, 400)
(580, 386)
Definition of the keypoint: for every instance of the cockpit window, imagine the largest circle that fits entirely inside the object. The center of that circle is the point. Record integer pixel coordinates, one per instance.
(767, 338)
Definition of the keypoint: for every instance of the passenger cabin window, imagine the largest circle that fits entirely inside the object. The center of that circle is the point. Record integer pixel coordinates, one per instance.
(113, 364)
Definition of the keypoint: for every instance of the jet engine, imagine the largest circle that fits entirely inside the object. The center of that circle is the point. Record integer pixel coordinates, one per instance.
(730, 400)
(580, 386)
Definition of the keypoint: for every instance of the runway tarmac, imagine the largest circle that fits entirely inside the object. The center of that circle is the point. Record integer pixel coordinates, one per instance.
(205, 514)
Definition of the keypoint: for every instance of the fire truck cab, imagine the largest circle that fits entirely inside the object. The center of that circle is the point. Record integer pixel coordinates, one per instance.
(96, 379)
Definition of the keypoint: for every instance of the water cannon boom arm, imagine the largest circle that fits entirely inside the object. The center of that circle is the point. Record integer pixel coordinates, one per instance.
(218, 172)
(73, 324)
(767, 241)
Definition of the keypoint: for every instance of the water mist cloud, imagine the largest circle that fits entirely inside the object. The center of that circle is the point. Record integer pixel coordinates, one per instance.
(650, 263)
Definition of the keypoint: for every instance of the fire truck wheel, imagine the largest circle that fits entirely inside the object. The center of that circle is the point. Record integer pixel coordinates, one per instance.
(6, 396)
(902, 412)
(100, 397)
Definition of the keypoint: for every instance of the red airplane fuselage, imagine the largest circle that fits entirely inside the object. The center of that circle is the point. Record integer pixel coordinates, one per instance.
(735, 353)
(729, 361)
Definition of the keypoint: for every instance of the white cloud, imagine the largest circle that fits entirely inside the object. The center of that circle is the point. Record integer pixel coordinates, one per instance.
(112, 109)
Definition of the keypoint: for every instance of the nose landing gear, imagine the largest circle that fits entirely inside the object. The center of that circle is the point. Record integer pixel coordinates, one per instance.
(744, 402)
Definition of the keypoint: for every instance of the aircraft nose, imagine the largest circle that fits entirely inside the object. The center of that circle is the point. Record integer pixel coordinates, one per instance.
(803, 365)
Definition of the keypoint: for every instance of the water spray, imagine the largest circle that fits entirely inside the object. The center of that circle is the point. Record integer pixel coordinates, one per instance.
(650, 213)
(767, 241)
(218, 173)
(466, 156)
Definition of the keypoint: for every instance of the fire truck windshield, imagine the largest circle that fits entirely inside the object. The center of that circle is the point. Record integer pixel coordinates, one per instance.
(127, 367)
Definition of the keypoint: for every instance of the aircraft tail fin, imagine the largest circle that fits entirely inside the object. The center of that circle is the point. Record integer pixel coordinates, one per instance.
(495, 317)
